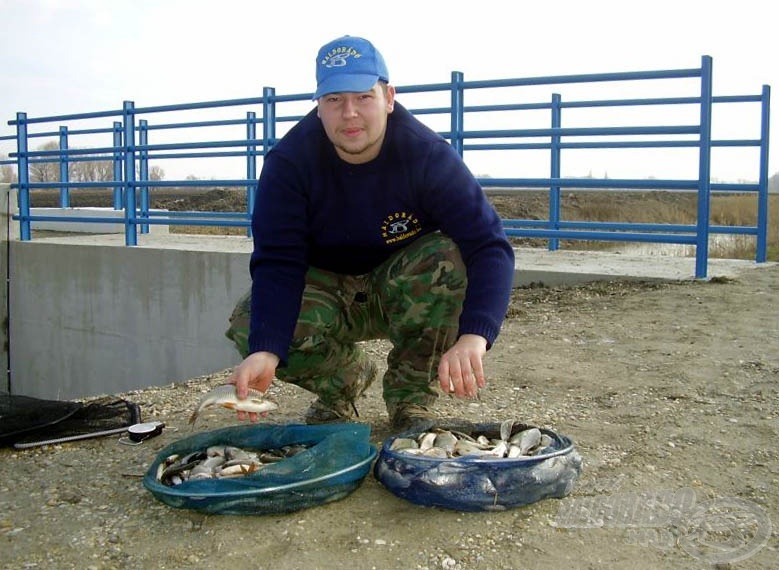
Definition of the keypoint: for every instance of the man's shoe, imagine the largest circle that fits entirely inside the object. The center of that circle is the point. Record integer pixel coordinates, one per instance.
(320, 413)
(412, 418)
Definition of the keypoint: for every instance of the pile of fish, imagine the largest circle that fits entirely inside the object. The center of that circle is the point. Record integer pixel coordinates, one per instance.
(220, 461)
(447, 444)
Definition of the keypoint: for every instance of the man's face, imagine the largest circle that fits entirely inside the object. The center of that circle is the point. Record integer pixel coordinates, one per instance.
(355, 122)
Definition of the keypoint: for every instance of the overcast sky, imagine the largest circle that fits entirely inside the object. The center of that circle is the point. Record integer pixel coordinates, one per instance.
(71, 56)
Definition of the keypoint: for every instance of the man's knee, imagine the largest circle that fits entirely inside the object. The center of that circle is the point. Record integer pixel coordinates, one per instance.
(240, 319)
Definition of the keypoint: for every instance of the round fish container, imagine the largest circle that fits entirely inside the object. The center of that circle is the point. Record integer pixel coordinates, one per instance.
(337, 460)
(475, 483)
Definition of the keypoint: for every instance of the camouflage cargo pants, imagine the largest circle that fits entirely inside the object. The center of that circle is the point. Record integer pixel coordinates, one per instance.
(414, 299)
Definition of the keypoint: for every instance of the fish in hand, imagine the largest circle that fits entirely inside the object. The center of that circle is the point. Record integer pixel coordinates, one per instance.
(225, 396)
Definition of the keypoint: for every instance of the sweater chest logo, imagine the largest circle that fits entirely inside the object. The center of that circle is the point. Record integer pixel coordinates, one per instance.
(399, 226)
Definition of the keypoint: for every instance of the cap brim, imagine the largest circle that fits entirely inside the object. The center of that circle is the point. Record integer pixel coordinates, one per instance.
(345, 83)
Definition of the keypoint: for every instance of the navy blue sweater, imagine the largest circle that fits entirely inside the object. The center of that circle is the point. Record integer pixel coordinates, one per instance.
(314, 209)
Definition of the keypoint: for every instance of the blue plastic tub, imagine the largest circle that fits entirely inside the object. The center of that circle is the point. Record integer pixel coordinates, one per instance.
(479, 484)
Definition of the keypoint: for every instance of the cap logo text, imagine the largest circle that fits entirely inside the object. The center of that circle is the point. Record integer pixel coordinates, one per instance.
(338, 57)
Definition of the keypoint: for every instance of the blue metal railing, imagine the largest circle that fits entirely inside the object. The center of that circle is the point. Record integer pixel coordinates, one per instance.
(131, 151)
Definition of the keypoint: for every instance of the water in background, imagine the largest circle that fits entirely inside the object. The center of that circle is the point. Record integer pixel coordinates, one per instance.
(720, 245)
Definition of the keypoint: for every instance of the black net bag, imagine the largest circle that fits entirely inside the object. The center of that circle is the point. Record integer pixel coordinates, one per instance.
(28, 422)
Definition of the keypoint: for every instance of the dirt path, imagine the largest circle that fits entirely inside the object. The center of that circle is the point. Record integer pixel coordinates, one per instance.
(669, 391)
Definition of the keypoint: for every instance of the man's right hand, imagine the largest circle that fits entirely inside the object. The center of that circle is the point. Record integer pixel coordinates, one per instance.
(257, 372)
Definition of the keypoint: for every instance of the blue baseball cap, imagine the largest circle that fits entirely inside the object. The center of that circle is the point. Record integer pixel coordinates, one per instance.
(348, 65)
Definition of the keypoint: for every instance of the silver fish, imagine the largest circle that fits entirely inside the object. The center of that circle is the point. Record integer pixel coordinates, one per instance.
(220, 461)
(435, 452)
(505, 429)
(514, 452)
(528, 440)
(403, 443)
(465, 447)
(452, 444)
(446, 440)
(238, 469)
(225, 396)
(208, 465)
(500, 449)
(427, 440)
(483, 440)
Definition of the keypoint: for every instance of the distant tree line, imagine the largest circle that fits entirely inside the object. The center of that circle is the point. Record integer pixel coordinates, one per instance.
(7, 174)
(84, 169)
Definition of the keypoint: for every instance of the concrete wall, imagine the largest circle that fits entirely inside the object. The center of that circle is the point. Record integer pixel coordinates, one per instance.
(99, 319)
(5, 226)
(90, 316)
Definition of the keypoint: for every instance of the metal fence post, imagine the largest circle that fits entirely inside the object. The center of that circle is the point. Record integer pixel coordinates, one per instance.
(457, 112)
(704, 172)
(130, 229)
(64, 174)
(268, 118)
(554, 190)
(143, 171)
(761, 249)
(23, 166)
(268, 131)
(117, 188)
(251, 163)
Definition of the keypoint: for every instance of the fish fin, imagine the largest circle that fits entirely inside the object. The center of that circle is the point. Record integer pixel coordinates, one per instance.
(505, 429)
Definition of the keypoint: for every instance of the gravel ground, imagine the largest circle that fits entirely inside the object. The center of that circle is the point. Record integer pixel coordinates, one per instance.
(669, 391)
